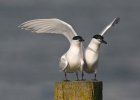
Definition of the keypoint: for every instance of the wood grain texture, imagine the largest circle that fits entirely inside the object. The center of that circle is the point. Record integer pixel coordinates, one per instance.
(78, 90)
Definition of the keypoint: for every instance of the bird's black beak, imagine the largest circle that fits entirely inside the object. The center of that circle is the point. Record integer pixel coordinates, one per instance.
(103, 41)
(81, 40)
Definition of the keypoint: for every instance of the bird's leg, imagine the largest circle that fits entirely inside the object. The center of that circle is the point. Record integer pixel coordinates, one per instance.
(83, 76)
(95, 77)
(77, 76)
(66, 76)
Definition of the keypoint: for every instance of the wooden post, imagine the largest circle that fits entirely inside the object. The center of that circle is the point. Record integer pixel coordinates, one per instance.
(78, 90)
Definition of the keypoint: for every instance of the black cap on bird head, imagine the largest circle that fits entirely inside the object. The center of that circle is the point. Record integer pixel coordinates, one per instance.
(78, 38)
(100, 38)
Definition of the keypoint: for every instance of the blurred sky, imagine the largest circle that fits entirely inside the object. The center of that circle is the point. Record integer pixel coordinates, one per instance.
(28, 61)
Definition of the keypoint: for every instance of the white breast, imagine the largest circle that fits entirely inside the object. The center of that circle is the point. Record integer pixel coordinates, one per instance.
(91, 56)
(91, 61)
(74, 56)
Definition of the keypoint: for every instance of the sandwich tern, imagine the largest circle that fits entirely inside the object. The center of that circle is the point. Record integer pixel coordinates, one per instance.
(91, 53)
(72, 60)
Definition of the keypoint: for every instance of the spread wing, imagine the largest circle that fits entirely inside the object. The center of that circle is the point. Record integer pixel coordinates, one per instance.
(50, 26)
(112, 23)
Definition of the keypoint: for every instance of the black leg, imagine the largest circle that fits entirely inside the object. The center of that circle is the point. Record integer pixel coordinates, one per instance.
(77, 76)
(95, 77)
(65, 76)
(83, 76)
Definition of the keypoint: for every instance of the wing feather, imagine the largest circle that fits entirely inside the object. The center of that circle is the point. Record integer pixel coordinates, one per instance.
(112, 23)
(49, 26)
(63, 63)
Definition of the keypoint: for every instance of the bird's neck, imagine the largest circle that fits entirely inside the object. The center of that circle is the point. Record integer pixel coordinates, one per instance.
(75, 47)
(94, 46)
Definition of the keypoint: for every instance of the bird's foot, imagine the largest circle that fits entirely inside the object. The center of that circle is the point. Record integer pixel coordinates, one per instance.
(77, 80)
(83, 79)
(66, 80)
(94, 79)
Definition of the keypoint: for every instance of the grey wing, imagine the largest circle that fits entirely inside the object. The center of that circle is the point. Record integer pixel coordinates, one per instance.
(112, 23)
(50, 26)
(63, 63)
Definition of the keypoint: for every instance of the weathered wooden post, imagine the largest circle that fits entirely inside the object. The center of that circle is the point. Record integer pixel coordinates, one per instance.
(78, 90)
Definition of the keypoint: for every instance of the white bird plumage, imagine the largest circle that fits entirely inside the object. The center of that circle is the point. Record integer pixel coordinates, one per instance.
(52, 25)
(58, 26)
(91, 55)
(112, 23)
(72, 60)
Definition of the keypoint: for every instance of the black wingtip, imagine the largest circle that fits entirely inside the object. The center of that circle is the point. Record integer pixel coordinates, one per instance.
(117, 20)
